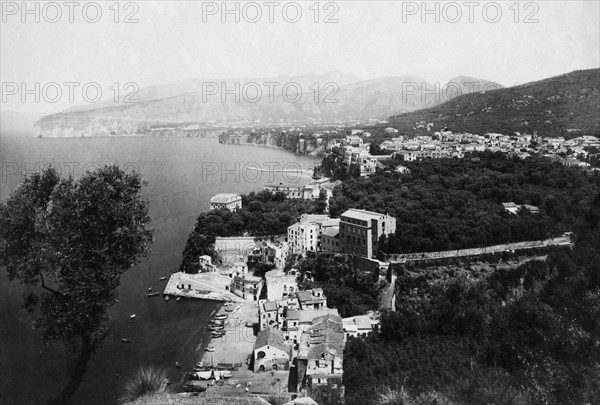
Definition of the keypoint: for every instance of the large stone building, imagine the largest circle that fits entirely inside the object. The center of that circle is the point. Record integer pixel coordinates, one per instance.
(232, 202)
(360, 231)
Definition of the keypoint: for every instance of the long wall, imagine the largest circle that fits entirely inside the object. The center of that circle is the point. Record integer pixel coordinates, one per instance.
(564, 240)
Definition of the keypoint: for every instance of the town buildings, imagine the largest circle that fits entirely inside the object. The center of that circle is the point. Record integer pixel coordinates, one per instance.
(321, 354)
(230, 201)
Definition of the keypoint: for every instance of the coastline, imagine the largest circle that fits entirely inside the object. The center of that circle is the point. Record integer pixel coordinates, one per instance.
(317, 155)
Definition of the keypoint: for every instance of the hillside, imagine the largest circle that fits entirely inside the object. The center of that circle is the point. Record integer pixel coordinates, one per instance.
(166, 108)
(567, 105)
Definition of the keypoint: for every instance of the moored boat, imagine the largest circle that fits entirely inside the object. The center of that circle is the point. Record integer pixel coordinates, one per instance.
(163, 278)
(166, 298)
(154, 294)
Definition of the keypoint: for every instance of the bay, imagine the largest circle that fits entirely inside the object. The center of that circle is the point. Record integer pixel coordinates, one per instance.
(182, 175)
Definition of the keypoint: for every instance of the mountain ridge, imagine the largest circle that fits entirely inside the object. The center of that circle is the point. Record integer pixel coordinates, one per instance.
(190, 102)
(556, 106)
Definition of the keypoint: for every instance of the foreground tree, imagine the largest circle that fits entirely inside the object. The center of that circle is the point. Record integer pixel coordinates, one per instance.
(74, 239)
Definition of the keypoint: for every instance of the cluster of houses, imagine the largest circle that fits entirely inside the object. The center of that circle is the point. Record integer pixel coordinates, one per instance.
(310, 191)
(298, 332)
(356, 231)
(446, 144)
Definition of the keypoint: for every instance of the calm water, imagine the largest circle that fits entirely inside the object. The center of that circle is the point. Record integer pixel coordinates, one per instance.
(183, 173)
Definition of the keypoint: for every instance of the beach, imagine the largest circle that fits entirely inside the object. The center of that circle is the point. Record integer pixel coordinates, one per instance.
(235, 349)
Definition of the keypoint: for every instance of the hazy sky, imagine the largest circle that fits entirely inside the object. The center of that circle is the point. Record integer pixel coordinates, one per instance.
(170, 42)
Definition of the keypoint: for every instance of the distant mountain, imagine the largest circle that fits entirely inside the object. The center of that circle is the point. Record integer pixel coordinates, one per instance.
(173, 109)
(566, 105)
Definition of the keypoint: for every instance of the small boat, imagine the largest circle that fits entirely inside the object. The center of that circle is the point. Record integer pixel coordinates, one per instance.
(177, 364)
(177, 299)
(217, 334)
(149, 289)
(154, 294)
(249, 324)
(220, 317)
(132, 316)
(125, 340)
(217, 322)
(163, 278)
(229, 309)
(166, 298)
(209, 349)
(204, 375)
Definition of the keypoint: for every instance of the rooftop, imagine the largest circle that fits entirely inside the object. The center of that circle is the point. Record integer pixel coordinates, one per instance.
(225, 198)
(362, 215)
(270, 337)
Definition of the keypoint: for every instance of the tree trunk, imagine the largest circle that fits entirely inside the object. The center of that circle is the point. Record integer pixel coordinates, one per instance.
(77, 372)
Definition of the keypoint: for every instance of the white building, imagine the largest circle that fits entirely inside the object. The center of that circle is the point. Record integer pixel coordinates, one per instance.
(230, 201)
(280, 285)
(306, 234)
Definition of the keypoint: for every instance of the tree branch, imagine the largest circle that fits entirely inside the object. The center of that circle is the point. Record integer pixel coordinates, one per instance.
(44, 286)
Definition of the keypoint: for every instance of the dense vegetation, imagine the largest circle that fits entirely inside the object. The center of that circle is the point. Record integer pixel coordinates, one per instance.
(262, 214)
(550, 107)
(451, 204)
(526, 334)
(348, 289)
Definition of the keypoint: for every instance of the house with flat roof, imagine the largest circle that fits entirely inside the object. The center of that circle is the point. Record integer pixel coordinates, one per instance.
(280, 285)
(306, 233)
(230, 201)
(360, 325)
(311, 299)
(247, 287)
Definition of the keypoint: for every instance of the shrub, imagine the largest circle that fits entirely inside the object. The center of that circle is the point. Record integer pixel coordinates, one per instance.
(147, 380)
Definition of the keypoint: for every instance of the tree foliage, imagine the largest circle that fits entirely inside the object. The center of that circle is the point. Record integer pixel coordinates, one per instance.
(262, 214)
(74, 238)
(446, 204)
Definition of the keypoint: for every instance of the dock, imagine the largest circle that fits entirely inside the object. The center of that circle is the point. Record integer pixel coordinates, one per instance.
(206, 286)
